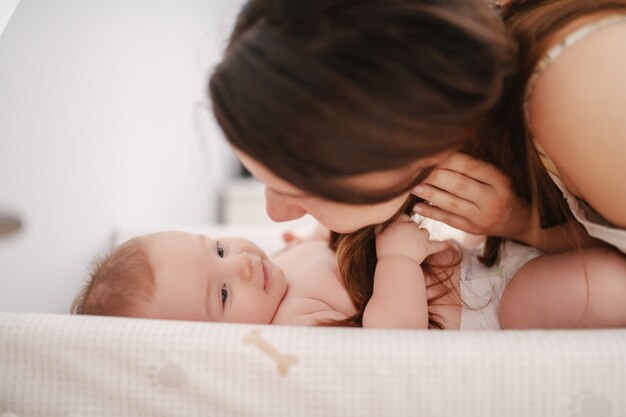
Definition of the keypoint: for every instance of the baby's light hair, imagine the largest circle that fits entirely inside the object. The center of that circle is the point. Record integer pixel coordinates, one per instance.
(120, 283)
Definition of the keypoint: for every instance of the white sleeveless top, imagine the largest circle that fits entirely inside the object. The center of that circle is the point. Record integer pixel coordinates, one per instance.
(595, 225)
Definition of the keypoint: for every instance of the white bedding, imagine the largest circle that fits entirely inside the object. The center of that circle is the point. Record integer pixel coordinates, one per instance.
(61, 365)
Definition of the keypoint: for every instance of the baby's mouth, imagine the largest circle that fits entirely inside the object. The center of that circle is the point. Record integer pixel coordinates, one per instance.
(266, 275)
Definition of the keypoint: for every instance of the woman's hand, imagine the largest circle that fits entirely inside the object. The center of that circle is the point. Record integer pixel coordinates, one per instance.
(406, 238)
(473, 196)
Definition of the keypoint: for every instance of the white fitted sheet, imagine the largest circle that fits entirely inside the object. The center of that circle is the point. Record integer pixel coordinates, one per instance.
(73, 366)
(61, 365)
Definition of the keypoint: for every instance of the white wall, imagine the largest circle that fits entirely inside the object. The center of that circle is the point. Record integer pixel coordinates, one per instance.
(99, 129)
(7, 7)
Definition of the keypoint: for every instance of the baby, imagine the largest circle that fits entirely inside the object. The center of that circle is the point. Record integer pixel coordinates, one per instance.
(184, 276)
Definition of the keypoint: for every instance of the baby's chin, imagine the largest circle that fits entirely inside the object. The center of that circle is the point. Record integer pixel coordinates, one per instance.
(280, 279)
(278, 283)
(276, 272)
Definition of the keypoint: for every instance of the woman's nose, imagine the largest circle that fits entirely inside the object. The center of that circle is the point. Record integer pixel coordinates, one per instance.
(282, 209)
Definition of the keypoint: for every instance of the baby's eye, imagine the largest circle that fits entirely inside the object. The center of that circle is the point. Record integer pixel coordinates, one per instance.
(219, 249)
(224, 294)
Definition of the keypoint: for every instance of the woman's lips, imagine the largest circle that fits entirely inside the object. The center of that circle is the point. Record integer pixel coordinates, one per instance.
(266, 275)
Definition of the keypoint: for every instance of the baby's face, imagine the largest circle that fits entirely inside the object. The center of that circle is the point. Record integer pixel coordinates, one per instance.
(202, 279)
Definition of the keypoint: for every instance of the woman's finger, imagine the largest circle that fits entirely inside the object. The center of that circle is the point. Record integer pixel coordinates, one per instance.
(447, 201)
(456, 184)
(471, 167)
(454, 220)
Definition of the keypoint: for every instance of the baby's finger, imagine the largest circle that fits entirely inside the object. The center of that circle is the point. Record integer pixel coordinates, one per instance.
(445, 200)
(436, 246)
(425, 232)
(290, 238)
(404, 218)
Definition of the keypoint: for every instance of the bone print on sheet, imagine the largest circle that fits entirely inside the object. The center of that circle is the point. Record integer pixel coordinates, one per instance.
(283, 362)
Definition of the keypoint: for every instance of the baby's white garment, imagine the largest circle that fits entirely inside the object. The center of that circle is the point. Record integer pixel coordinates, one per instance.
(481, 287)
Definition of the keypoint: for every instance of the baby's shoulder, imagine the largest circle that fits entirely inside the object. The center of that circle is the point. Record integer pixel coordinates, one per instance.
(307, 313)
(316, 291)
(308, 261)
(302, 311)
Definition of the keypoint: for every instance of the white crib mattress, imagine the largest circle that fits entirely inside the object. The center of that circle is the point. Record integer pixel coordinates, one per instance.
(61, 365)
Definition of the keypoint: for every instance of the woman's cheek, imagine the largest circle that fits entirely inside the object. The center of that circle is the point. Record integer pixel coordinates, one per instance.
(384, 211)
(345, 218)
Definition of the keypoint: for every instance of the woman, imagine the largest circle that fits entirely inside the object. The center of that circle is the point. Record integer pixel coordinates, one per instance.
(343, 107)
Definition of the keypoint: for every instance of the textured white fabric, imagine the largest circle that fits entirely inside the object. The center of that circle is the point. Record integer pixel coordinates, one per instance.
(60, 365)
(595, 225)
(481, 287)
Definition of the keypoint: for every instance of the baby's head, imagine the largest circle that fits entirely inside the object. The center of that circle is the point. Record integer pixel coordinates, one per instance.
(184, 276)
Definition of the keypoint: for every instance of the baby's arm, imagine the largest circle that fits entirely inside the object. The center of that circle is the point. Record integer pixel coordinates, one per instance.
(575, 289)
(399, 295)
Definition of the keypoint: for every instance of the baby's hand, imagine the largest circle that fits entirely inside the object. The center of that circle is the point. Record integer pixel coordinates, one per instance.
(294, 237)
(406, 238)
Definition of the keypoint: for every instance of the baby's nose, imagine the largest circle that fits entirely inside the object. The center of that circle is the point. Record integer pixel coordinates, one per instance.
(245, 264)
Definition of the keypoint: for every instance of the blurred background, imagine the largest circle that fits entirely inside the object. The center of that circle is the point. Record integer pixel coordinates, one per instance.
(104, 126)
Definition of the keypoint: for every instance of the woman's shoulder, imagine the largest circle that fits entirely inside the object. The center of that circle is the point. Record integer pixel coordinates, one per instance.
(584, 64)
(584, 26)
(580, 61)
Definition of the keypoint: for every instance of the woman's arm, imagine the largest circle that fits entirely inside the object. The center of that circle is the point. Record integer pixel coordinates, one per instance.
(399, 297)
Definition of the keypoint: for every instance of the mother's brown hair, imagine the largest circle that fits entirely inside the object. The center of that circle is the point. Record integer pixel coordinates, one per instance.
(318, 90)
